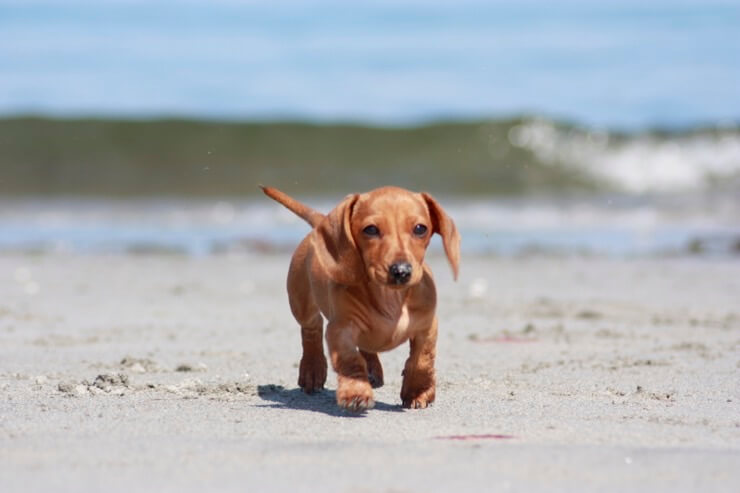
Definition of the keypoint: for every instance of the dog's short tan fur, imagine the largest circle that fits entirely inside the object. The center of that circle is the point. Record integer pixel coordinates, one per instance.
(342, 272)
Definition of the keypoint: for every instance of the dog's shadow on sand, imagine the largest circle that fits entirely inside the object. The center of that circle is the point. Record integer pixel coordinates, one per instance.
(320, 402)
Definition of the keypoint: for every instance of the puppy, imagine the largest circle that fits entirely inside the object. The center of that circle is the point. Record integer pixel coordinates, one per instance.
(362, 268)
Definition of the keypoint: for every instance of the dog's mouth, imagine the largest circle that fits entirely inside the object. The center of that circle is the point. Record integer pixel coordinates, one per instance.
(395, 284)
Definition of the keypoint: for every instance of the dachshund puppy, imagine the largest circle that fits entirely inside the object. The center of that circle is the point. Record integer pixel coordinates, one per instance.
(362, 268)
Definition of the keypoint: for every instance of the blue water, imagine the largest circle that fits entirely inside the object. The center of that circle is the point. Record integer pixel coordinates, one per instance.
(617, 63)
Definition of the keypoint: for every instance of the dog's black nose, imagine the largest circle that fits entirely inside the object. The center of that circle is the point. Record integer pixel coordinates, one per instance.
(400, 272)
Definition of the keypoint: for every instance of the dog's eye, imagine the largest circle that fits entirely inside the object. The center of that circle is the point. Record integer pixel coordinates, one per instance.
(371, 230)
(420, 230)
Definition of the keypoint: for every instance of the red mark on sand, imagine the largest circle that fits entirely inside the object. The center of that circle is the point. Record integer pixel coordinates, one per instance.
(487, 436)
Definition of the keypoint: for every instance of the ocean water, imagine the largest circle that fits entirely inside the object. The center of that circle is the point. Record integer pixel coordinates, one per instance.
(616, 226)
(606, 63)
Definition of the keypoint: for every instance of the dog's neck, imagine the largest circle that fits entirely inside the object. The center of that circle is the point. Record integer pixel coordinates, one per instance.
(387, 301)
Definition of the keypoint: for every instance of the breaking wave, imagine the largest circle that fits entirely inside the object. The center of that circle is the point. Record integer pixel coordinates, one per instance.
(637, 163)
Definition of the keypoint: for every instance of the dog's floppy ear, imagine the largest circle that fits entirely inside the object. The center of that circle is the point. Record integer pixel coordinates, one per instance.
(335, 246)
(445, 227)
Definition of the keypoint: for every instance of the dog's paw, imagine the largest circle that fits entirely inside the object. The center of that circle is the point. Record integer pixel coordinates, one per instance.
(420, 401)
(417, 394)
(354, 395)
(312, 374)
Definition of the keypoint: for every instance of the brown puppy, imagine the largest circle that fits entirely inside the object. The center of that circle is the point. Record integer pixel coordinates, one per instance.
(362, 267)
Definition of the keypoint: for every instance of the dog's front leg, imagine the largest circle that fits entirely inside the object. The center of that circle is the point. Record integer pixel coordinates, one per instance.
(312, 370)
(354, 392)
(417, 390)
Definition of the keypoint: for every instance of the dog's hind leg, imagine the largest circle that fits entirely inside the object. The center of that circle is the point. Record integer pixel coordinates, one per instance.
(374, 369)
(313, 367)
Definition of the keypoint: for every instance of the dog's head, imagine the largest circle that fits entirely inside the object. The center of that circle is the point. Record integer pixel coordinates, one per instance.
(382, 236)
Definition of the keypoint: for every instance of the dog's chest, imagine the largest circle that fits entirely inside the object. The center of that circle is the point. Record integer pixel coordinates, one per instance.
(400, 331)
(386, 332)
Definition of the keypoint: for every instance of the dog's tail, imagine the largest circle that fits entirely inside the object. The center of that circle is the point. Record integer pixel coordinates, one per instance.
(303, 211)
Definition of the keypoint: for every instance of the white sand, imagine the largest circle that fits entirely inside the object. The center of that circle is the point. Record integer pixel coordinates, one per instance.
(607, 375)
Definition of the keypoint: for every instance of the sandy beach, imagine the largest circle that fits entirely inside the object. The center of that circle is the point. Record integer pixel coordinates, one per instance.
(587, 152)
(177, 373)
